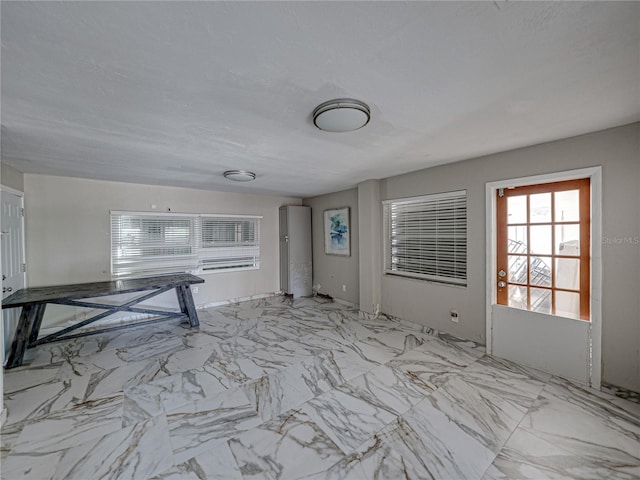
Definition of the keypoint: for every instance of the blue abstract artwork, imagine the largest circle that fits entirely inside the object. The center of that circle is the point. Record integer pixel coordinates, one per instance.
(336, 225)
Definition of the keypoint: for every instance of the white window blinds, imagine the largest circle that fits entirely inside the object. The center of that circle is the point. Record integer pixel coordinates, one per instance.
(229, 242)
(144, 244)
(426, 237)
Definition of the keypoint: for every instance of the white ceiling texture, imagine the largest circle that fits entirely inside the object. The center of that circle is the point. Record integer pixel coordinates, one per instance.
(175, 93)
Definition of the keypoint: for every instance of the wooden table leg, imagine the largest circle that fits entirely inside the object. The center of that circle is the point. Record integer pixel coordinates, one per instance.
(186, 304)
(183, 307)
(37, 322)
(21, 337)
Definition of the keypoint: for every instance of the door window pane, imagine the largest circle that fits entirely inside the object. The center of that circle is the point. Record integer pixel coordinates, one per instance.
(517, 209)
(517, 269)
(568, 304)
(568, 273)
(517, 297)
(540, 240)
(540, 269)
(540, 300)
(567, 241)
(567, 206)
(517, 239)
(540, 208)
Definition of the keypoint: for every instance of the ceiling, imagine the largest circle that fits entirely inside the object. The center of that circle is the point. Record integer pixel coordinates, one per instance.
(175, 93)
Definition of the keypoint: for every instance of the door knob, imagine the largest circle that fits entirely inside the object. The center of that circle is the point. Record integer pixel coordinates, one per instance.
(502, 284)
(7, 289)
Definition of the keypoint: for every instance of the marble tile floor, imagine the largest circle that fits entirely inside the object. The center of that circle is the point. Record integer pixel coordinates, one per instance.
(271, 389)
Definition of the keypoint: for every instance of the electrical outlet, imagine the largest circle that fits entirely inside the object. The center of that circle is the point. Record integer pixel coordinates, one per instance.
(344, 288)
(454, 316)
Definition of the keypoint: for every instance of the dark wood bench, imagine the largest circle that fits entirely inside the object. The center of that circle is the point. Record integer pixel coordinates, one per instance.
(34, 301)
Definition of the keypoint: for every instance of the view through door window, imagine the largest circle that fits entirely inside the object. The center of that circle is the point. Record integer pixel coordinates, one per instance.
(543, 240)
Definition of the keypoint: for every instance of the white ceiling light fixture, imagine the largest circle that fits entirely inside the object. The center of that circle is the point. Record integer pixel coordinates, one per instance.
(341, 115)
(239, 175)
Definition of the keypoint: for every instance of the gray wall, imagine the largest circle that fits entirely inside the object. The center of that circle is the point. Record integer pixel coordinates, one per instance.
(67, 231)
(10, 177)
(617, 150)
(332, 271)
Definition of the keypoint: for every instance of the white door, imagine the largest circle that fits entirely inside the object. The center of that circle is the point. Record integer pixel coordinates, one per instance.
(13, 277)
(543, 283)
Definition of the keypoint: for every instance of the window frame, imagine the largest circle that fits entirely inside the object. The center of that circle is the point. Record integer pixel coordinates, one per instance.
(583, 185)
(457, 272)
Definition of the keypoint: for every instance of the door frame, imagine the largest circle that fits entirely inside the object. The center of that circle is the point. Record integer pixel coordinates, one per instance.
(17, 193)
(595, 176)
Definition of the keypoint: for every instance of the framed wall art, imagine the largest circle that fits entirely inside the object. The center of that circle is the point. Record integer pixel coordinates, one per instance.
(337, 232)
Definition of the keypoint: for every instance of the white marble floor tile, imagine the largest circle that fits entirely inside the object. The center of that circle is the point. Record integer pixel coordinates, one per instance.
(85, 365)
(386, 388)
(22, 378)
(350, 364)
(135, 452)
(372, 351)
(154, 348)
(107, 383)
(451, 450)
(398, 340)
(432, 364)
(425, 443)
(481, 412)
(533, 455)
(169, 393)
(217, 463)
(8, 437)
(188, 358)
(571, 432)
(278, 392)
(45, 398)
(42, 443)
(348, 468)
(348, 420)
(199, 426)
(521, 385)
(321, 372)
(288, 447)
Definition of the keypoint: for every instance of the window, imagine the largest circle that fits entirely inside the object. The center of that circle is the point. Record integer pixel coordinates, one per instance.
(229, 242)
(543, 245)
(426, 237)
(144, 244)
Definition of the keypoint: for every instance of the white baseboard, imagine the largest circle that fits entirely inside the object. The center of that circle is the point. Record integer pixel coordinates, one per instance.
(237, 300)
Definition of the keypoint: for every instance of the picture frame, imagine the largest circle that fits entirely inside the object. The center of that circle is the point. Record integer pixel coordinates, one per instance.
(337, 232)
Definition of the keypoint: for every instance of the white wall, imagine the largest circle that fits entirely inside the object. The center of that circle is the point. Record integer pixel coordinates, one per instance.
(10, 177)
(332, 271)
(68, 232)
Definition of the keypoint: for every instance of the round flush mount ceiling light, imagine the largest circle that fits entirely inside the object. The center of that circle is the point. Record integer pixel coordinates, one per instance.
(341, 115)
(239, 175)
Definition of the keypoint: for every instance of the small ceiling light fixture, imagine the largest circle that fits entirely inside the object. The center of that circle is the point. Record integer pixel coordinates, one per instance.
(341, 115)
(239, 175)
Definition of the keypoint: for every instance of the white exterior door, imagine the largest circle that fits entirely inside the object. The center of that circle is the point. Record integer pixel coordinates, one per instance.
(13, 277)
(543, 285)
